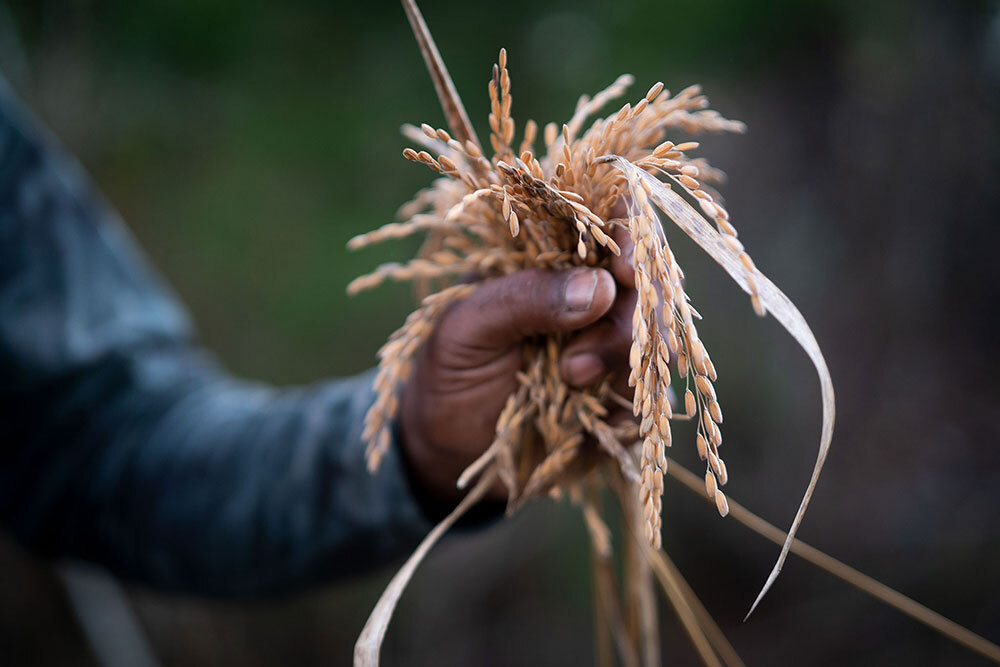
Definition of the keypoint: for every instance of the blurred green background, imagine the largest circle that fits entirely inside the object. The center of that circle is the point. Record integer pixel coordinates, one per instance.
(245, 142)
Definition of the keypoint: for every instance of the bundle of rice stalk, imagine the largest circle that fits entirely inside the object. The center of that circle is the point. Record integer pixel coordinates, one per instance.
(556, 206)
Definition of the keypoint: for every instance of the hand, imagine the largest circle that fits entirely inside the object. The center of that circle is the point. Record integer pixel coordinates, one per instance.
(466, 370)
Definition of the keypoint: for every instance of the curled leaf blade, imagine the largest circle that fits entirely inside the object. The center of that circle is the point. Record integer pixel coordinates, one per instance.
(369, 644)
(779, 305)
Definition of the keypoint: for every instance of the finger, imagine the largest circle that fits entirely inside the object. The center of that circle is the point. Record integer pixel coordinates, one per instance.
(505, 310)
(601, 348)
(583, 368)
(622, 265)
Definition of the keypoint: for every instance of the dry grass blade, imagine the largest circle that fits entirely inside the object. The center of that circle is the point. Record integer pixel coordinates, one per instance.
(603, 649)
(772, 298)
(607, 593)
(600, 549)
(477, 466)
(682, 597)
(649, 631)
(451, 103)
(605, 584)
(366, 650)
(643, 613)
(863, 582)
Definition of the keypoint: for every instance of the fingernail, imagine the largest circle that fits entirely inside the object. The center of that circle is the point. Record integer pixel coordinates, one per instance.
(583, 369)
(580, 290)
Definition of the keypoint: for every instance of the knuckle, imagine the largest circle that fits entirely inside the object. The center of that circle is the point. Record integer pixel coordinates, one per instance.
(527, 296)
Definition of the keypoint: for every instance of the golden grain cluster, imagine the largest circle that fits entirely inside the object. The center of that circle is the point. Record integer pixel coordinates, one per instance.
(555, 202)
(554, 210)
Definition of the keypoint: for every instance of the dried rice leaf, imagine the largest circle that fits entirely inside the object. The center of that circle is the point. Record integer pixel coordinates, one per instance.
(606, 590)
(366, 650)
(772, 298)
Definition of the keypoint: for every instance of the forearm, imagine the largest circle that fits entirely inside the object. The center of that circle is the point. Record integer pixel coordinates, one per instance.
(122, 443)
(171, 473)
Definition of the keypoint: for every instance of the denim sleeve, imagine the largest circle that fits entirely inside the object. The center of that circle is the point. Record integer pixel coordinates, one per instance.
(123, 443)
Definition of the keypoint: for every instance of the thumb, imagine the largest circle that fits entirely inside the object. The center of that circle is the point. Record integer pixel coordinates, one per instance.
(504, 310)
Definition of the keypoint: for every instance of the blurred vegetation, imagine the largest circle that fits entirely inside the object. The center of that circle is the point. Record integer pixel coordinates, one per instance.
(245, 142)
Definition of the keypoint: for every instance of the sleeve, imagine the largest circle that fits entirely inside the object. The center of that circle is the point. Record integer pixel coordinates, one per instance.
(123, 443)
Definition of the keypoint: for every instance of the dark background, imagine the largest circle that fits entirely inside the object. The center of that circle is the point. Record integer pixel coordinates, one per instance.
(245, 142)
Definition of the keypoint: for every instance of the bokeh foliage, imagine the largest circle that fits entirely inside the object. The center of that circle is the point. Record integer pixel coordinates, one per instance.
(245, 142)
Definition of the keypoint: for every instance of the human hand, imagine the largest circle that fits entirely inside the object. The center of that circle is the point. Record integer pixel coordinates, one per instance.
(466, 370)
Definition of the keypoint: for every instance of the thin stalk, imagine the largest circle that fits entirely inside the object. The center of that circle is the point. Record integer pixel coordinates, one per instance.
(684, 612)
(606, 588)
(872, 587)
(643, 617)
(712, 631)
(602, 630)
(605, 580)
(451, 103)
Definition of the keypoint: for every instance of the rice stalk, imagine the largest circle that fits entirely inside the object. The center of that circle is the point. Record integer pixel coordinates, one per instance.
(643, 614)
(670, 576)
(689, 620)
(494, 215)
(841, 570)
(606, 593)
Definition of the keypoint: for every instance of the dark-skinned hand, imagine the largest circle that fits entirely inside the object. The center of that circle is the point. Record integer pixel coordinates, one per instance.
(466, 370)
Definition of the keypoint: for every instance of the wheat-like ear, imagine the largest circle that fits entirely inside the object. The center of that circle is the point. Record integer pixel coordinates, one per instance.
(555, 211)
(451, 103)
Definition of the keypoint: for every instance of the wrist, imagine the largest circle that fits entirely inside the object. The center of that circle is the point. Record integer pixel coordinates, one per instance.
(432, 472)
(436, 493)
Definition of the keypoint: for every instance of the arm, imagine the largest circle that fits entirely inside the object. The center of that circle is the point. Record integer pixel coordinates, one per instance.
(123, 443)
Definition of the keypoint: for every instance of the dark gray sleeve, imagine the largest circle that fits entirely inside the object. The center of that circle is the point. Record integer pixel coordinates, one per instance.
(123, 443)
